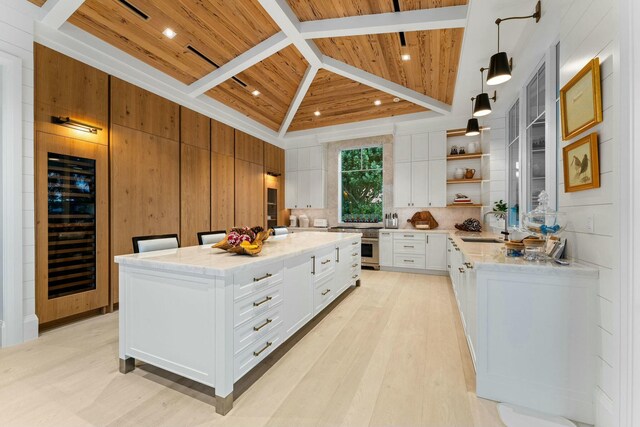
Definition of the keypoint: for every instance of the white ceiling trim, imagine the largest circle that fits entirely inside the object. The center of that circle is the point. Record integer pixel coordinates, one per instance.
(366, 78)
(56, 12)
(303, 88)
(414, 20)
(261, 51)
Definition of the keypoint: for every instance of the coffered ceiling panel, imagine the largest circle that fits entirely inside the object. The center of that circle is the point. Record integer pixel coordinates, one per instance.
(209, 32)
(340, 100)
(311, 10)
(276, 78)
(38, 2)
(432, 68)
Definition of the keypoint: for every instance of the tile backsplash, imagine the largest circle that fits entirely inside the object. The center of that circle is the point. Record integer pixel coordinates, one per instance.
(446, 217)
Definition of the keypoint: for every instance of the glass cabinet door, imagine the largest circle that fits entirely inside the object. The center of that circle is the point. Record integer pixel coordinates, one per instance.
(536, 144)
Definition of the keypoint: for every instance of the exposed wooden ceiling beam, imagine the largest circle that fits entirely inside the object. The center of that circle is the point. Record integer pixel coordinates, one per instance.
(286, 19)
(261, 51)
(413, 20)
(384, 85)
(307, 79)
(56, 12)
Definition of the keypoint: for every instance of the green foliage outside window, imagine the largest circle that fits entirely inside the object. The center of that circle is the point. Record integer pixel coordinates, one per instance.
(361, 184)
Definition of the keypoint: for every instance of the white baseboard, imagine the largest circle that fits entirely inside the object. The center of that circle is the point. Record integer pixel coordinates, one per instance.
(30, 327)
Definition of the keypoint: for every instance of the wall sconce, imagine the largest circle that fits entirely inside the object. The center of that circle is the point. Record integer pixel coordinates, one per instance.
(499, 67)
(473, 127)
(483, 104)
(74, 124)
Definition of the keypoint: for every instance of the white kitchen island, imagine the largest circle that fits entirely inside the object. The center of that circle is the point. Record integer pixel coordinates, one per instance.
(212, 316)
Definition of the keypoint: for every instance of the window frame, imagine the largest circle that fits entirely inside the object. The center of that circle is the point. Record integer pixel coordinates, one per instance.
(340, 172)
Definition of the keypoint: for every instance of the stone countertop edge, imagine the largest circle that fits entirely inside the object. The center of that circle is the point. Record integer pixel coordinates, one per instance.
(169, 260)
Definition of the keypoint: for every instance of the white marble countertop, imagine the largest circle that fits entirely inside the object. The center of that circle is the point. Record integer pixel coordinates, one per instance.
(301, 229)
(490, 256)
(206, 260)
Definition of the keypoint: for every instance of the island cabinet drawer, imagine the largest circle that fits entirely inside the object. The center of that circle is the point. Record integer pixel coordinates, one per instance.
(257, 328)
(414, 247)
(421, 237)
(256, 352)
(324, 293)
(325, 263)
(255, 279)
(409, 261)
(256, 304)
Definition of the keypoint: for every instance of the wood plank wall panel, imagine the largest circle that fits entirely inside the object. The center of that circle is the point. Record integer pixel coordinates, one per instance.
(249, 189)
(69, 88)
(145, 189)
(139, 109)
(341, 100)
(222, 138)
(249, 148)
(195, 129)
(195, 175)
(432, 69)
(277, 78)
(195, 193)
(218, 29)
(310, 10)
(274, 162)
(222, 191)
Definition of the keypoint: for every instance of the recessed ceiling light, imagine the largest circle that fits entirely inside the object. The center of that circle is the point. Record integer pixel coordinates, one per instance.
(377, 102)
(169, 33)
(255, 92)
(405, 57)
(316, 113)
(396, 99)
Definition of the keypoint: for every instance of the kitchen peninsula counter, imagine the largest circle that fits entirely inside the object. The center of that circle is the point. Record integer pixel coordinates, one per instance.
(212, 316)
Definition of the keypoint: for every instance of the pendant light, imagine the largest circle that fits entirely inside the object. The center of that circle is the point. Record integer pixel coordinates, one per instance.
(499, 67)
(473, 127)
(483, 104)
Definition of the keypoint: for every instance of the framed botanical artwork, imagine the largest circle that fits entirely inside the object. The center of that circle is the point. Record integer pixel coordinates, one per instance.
(581, 101)
(581, 166)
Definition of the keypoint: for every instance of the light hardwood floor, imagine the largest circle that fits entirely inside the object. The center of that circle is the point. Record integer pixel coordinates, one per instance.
(390, 353)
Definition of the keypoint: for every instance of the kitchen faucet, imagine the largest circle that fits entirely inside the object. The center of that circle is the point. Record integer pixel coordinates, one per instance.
(500, 215)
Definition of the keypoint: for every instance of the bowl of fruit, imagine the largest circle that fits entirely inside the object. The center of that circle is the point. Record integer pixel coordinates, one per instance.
(244, 240)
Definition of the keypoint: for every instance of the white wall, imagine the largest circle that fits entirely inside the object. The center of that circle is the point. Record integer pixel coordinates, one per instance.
(16, 38)
(586, 29)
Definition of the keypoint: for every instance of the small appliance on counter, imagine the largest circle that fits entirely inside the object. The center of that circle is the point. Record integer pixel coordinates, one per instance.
(391, 220)
(293, 221)
(320, 223)
(304, 221)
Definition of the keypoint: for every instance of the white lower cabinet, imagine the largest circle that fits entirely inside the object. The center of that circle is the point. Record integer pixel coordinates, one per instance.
(385, 250)
(298, 293)
(414, 250)
(436, 252)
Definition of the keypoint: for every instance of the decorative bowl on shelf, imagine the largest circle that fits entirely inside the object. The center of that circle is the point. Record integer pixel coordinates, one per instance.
(244, 240)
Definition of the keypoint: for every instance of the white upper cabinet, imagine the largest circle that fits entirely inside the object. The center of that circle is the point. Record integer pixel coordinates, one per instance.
(291, 160)
(437, 183)
(304, 159)
(420, 147)
(305, 178)
(291, 190)
(316, 157)
(316, 189)
(438, 145)
(419, 184)
(402, 185)
(402, 148)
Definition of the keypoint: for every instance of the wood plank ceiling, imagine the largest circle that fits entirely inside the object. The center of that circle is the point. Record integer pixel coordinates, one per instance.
(210, 33)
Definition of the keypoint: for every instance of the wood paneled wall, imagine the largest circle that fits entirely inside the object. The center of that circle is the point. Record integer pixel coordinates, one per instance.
(249, 148)
(195, 175)
(249, 200)
(222, 176)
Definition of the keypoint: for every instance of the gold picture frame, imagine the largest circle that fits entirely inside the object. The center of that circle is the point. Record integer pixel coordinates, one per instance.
(581, 165)
(581, 101)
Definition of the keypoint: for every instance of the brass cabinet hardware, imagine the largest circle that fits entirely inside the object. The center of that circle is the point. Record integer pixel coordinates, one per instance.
(326, 292)
(325, 262)
(354, 265)
(257, 353)
(468, 265)
(266, 276)
(354, 254)
(457, 249)
(337, 254)
(354, 276)
(314, 265)
(266, 322)
(354, 243)
(461, 270)
(408, 260)
(266, 299)
(409, 235)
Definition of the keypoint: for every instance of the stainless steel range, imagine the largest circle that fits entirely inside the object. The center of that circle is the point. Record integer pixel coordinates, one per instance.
(369, 247)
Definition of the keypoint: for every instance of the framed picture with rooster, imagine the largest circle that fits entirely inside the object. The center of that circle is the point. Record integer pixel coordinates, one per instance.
(581, 166)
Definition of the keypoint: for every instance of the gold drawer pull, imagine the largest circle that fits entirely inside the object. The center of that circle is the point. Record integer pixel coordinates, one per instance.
(267, 299)
(354, 265)
(409, 235)
(266, 276)
(409, 247)
(354, 243)
(354, 254)
(408, 260)
(354, 276)
(325, 262)
(457, 249)
(326, 292)
(461, 270)
(266, 322)
(468, 264)
(257, 353)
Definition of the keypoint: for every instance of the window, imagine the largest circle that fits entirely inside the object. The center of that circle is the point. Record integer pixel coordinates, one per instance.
(361, 185)
(513, 198)
(536, 130)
